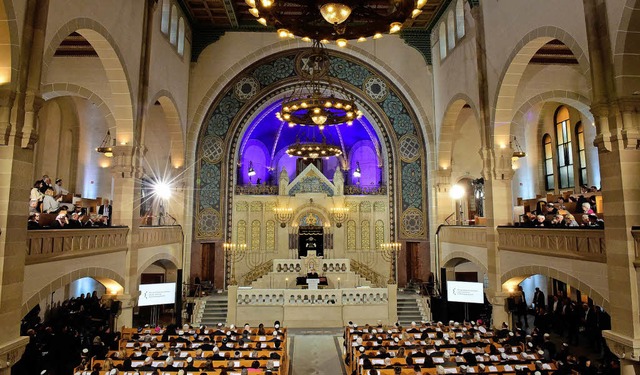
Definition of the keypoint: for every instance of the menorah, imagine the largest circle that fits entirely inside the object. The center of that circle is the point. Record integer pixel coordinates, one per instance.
(389, 252)
(339, 215)
(283, 215)
(235, 252)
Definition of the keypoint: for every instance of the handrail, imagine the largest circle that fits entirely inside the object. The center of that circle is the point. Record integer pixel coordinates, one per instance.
(258, 271)
(363, 271)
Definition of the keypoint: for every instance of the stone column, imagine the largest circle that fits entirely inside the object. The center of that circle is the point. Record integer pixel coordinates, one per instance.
(125, 317)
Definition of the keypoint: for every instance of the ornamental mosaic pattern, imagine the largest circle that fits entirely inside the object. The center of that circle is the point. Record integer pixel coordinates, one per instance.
(256, 206)
(212, 149)
(376, 89)
(255, 235)
(409, 148)
(246, 88)
(365, 206)
(379, 233)
(242, 232)
(412, 223)
(351, 235)
(311, 184)
(353, 207)
(271, 235)
(268, 74)
(365, 235)
(242, 206)
(379, 206)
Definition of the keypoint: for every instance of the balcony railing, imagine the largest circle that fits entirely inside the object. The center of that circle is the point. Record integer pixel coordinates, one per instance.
(583, 244)
(464, 235)
(257, 190)
(160, 235)
(49, 245)
(365, 190)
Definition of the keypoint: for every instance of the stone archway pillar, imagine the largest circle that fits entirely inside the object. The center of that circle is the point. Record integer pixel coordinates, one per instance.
(445, 203)
(125, 316)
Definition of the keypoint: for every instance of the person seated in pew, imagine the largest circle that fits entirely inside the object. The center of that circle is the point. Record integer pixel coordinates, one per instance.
(147, 365)
(190, 366)
(261, 330)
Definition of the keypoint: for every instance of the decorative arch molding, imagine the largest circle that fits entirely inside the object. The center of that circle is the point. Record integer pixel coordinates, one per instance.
(93, 272)
(218, 86)
(526, 271)
(465, 256)
(174, 125)
(112, 62)
(577, 101)
(447, 130)
(56, 90)
(514, 69)
(626, 74)
(9, 45)
(308, 208)
(227, 117)
(161, 256)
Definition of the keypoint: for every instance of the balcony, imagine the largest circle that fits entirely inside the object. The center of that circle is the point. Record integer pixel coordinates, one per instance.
(464, 235)
(49, 245)
(160, 235)
(257, 189)
(365, 190)
(582, 244)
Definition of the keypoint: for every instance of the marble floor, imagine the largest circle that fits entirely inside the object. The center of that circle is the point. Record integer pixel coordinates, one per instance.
(316, 352)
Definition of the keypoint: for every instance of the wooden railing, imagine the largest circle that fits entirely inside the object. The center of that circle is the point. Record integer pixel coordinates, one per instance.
(365, 190)
(160, 235)
(583, 244)
(257, 189)
(464, 235)
(363, 271)
(51, 244)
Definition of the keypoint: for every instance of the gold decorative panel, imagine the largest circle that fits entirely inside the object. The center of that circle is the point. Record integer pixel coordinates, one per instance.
(379, 231)
(242, 207)
(365, 235)
(255, 235)
(242, 232)
(353, 207)
(365, 206)
(256, 206)
(271, 235)
(379, 206)
(351, 235)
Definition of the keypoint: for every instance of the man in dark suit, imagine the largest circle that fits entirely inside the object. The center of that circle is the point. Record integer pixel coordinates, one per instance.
(105, 210)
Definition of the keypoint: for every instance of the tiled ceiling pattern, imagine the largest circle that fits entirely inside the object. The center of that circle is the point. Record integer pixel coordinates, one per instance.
(230, 14)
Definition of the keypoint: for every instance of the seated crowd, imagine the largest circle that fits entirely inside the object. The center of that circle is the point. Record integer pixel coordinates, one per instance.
(186, 350)
(578, 213)
(56, 344)
(51, 207)
(457, 348)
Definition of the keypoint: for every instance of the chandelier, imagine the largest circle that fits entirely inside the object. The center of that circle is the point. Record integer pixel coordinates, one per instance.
(316, 101)
(337, 21)
(106, 147)
(312, 150)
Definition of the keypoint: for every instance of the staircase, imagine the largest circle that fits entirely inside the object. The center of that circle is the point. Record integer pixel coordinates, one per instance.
(214, 311)
(411, 307)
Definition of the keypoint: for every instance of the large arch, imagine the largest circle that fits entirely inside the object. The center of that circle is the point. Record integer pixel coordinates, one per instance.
(174, 124)
(56, 90)
(456, 257)
(577, 101)
(9, 49)
(400, 125)
(105, 276)
(514, 69)
(113, 64)
(526, 271)
(166, 259)
(447, 130)
(626, 50)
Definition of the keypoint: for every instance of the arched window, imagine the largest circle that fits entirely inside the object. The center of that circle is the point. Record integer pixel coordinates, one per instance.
(173, 35)
(565, 154)
(443, 40)
(548, 162)
(460, 19)
(451, 30)
(181, 36)
(582, 154)
(166, 15)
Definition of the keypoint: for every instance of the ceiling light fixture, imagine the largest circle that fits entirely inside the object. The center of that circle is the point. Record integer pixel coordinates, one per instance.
(333, 20)
(106, 147)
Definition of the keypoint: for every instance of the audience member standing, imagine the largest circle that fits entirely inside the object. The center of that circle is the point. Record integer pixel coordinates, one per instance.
(105, 211)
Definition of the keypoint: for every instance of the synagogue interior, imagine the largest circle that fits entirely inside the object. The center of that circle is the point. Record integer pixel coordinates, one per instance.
(295, 187)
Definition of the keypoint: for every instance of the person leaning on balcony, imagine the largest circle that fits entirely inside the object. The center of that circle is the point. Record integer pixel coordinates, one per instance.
(541, 221)
(33, 222)
(61, 221)
(557, 221)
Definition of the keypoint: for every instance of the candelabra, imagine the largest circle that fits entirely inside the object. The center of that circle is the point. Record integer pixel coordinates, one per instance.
(339, 215)
(235, 252)
(283, 215)
(389, 252)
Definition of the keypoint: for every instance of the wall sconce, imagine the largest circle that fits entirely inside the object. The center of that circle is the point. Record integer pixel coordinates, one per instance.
(339, 215)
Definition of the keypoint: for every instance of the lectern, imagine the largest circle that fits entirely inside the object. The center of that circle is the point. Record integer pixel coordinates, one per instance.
(312, 284)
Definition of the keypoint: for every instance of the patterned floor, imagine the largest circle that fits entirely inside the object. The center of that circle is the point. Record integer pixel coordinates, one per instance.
(316, 352)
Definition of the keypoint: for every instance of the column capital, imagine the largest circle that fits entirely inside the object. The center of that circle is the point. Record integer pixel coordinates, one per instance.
(126, 161)
(497, 163)
(444, 180)
(623, 347)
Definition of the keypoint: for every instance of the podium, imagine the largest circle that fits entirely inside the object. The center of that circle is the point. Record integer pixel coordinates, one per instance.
(312, 284)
